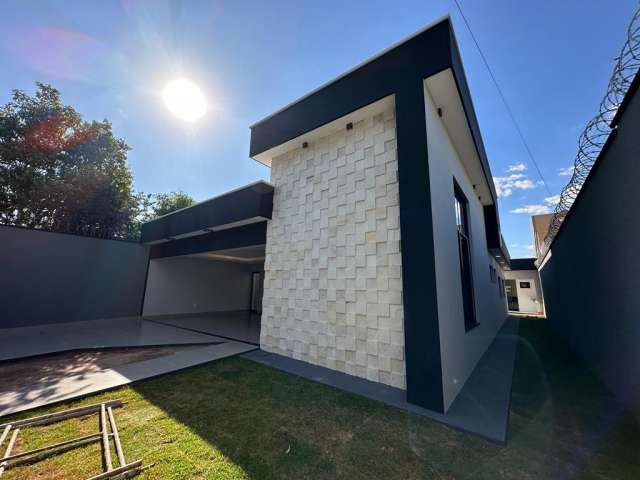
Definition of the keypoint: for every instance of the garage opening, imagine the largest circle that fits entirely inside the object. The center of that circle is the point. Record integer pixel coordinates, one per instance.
(206, 267)
(217, 292)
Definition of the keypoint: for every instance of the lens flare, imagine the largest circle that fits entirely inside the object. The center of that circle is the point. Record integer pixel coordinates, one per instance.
(184, 99)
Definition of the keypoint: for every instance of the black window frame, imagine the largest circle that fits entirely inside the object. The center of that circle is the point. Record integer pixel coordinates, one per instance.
(463, 233)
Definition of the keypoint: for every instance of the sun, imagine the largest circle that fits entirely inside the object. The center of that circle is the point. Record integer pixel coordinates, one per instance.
(184, 99)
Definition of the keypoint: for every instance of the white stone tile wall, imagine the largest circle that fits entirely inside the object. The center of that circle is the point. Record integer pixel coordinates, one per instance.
(333, 285)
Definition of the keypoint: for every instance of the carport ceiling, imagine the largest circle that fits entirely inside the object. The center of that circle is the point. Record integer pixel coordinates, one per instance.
(253, 254)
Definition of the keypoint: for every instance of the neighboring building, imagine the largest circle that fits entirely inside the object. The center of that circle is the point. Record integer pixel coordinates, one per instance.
(383, 251)
(523, 288)
(591, 274)
(541, 225)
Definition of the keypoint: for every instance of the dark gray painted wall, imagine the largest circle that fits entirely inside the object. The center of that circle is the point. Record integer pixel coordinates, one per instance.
(51, 277)
(592, 280)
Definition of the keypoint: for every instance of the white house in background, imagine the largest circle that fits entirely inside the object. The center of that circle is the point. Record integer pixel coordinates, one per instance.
(523, 288)
(522, 281)
(378, 236)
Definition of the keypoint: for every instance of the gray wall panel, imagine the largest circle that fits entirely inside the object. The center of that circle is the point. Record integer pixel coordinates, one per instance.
(591, 281)
(51, 277)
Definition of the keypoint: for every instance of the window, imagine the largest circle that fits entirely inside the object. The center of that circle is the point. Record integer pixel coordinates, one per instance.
(501, 288)
(492, 274)
(525, 284)
(461, 208)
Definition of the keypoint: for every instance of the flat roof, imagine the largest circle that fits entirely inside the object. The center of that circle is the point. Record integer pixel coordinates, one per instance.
(242, 206)
(353, 69)
(523, 264)
(423, 54)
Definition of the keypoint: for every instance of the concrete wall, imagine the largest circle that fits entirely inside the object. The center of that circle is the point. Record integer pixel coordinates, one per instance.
(591, 281)
(52, 277)
(197, 285)
(460, 350)
(333, 286)
(530, 300)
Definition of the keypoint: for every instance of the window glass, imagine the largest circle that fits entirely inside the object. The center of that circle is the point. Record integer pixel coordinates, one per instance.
(461, 207)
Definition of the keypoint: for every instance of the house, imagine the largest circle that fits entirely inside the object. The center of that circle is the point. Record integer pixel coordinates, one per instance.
(383, 254)
(523, 288)
(378, 235)
(374, 251)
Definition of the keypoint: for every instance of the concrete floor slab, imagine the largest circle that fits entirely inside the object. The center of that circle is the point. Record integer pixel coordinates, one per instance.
(37, 394)
(482, 407)
(243, 326)
(106, 333)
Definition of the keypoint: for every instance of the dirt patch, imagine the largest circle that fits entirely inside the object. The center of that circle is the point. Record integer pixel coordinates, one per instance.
(31, 372)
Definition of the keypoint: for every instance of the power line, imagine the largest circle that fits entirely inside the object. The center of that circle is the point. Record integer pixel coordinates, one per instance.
(504, 100)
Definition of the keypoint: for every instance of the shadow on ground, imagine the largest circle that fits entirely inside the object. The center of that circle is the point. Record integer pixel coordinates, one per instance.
(563, 424)
(238, 419)
(35, 379)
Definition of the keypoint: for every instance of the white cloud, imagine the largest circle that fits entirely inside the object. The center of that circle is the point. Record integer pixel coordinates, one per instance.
(566, 171)
(552, 201)
(516, 181)
(517, 167)
(547, 206)
(532, 209)
(518, 249)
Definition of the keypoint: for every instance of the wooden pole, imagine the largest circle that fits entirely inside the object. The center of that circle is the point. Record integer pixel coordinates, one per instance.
(118, 471)
(106, 449)
(4, 434)
(54, 417)
(93, 436)
(116, 437)
(12, 442)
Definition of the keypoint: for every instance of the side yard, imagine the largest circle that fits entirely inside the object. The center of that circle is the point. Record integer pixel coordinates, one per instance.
(235, 419)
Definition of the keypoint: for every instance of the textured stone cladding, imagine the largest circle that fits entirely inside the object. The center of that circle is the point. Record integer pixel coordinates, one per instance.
(333, 282)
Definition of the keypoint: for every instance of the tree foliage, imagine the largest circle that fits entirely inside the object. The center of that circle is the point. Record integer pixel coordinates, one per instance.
(149, 206)
(170, 202)
(61, 173)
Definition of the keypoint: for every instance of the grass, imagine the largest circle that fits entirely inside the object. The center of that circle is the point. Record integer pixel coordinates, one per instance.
(235, 419)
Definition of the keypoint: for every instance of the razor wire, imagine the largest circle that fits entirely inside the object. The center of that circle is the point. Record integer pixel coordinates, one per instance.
(597, 131)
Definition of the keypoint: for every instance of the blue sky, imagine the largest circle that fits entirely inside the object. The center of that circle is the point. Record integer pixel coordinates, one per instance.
(110, 59)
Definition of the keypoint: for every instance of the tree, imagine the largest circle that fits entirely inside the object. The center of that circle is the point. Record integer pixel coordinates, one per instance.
(170, 202)
(148, 207)
(142, 212)
(61, 173)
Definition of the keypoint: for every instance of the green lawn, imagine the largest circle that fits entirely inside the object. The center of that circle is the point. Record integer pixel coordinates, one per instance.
(235, 419)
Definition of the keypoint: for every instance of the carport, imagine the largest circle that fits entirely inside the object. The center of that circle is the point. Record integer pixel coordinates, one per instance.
(206, 264)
